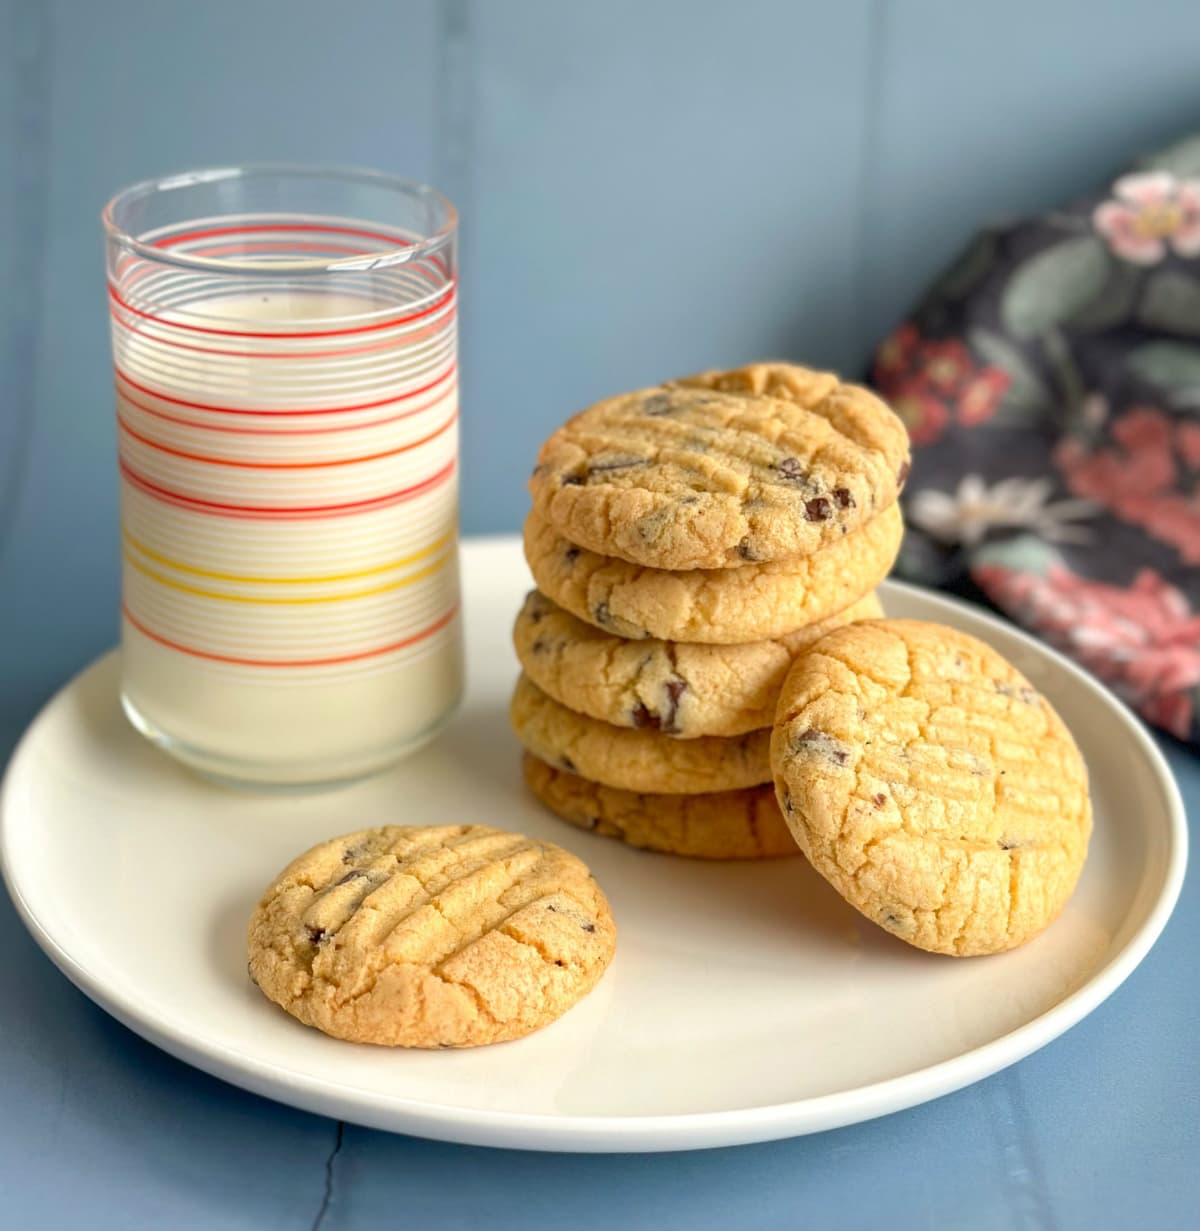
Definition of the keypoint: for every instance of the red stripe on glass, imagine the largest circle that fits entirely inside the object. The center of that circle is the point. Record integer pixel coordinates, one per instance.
(282, 513)
(391, 323)
(241, 410)
(409, 339)
(324, 228)
(208, 460)
(226, 430)
(435, 627)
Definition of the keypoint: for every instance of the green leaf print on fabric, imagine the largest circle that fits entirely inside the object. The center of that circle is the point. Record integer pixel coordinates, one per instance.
(1026, 393)
(1114, 304)
(1172, 366)
(1025, 553)
(1054, 285)
(1181, 159)
(1171, 303)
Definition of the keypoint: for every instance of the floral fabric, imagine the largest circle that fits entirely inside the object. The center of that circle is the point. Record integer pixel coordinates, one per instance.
(1051, 383)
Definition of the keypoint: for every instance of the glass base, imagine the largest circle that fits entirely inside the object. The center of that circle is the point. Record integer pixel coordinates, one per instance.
(281, 777)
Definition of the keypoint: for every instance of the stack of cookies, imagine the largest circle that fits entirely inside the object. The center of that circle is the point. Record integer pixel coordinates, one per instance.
(688, 541)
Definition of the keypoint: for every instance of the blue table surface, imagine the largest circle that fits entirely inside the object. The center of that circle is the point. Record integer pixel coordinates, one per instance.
(98, 1129)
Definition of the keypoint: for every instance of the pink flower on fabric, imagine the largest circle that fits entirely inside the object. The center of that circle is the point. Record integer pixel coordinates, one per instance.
(1143, 641)
(946, 365)
(929, 382)
(924, 415)
(981, 398)
(1187, 437)
(1150, 212)
(895, 353)
(1138, 481)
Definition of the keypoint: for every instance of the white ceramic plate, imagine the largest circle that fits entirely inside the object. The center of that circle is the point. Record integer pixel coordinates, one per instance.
(746, 1001)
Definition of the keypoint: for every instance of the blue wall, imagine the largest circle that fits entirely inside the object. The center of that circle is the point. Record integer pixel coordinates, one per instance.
(647, 186)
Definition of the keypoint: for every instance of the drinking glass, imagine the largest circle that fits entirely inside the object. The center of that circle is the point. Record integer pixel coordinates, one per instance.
(284, 350)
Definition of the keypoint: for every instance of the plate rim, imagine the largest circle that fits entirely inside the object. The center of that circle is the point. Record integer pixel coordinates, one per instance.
(613, 1133)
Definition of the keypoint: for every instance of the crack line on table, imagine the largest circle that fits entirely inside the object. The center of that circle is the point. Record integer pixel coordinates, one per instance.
(327, 1196)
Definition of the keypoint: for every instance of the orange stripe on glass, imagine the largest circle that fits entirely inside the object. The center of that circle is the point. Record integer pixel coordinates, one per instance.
(394, 646)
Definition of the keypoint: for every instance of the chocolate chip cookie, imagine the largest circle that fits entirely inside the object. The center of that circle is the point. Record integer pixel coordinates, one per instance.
(716, 606)
(636, 760)
(721, 825)
(679, 688)
(430, 936)
(686, 476)
(931, 784)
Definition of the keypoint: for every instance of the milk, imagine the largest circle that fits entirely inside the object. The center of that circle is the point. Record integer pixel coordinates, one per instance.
(288, 509)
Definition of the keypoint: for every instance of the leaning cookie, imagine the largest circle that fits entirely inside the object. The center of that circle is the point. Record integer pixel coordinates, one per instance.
(636, 760)
(929, 782)
(716, 606)
(721, 825)
(430, 936)
(686, 476)
(685, 689)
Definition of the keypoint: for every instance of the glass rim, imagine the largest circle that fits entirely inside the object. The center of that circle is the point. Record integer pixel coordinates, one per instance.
(402, 253)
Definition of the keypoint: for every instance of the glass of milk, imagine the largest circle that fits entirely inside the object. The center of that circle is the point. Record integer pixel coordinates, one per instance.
(284, 345)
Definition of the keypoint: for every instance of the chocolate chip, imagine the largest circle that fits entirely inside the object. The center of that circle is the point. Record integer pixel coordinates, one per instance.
(879, 799)
(650, 527)
(1020, 693)
(572, 480)
(790, 468)
(822, 744)
(902, 475)
(350, 876)
(559, 962)
(842, 498)
(1009, 844)
(788, 806)
(552, 908)
(817, 509)
(588, 926)
(891, 921)
(674, 689)
(571, 555)
(622, 462)
(568, 764)
(539, 645)
(658, 404)
(643, 718)
(316, 935)
(746, 551)
(601, 612)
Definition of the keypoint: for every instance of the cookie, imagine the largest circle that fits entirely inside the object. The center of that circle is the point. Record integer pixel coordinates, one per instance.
(928, 781)
(723, 825)
(717, 606)
(770, 378)
(431, 936)
(687, 476)
(679, 688)
(636, 760)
